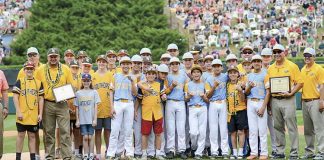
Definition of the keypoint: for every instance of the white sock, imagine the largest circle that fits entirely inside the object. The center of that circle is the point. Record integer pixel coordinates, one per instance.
(144, 153)
(234, 152)
(76, 151)
(240, 152)
(158, 152)
(91, 154)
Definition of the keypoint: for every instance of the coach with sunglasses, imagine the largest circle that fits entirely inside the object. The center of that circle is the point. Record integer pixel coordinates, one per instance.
(246, 53)
(313, 106)
(284, 104)
(32, 57)
(54, 74)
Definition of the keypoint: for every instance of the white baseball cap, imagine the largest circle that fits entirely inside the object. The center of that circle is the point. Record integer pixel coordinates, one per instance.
(174, 59)
(172, 46)
(279, 47)
(256, 57)
(209, 57)
(217, 61)
(247, 47)
(137, 58)
(187, 55)
(163, 68)
(310, 51)
(32, 50)
(125, 59)
(230, 57)
(165, 55)
(145, 50)
(266, 52)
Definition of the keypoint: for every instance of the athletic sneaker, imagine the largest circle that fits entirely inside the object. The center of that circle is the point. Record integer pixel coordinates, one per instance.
(225, 156)
(85, 157)
(240, 157)
(233, 157)
(159, 157)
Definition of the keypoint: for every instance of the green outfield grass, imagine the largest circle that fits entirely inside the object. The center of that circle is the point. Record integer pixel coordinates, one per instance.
(10, 145)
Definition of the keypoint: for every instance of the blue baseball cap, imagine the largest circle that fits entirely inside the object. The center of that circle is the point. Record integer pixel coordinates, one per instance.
(86, 76)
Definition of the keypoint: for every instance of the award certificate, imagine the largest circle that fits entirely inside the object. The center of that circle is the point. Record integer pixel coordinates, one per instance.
(63, 93)
(279, 84)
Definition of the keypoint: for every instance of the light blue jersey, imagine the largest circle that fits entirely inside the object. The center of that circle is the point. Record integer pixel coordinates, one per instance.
(86, 100)
(178, 92)
(220, 91)
(197, 89)
(205, 75)
(122, 87)
(259, 90)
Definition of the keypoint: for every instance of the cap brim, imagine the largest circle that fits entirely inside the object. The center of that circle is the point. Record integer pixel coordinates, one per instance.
(53, 54)
(126, 61)
(101, 59)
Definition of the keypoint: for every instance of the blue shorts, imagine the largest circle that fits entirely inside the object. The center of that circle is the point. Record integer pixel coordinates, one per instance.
(86, 129)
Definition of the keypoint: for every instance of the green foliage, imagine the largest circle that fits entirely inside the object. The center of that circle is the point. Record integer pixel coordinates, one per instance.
(97, 26)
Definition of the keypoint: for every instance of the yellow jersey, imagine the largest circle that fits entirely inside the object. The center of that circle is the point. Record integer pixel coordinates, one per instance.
(102, 83)
(151, 102)
(234, 101)
(52, 78)
(29, 91)
(21, 73)
(313, 77)
(76, 84)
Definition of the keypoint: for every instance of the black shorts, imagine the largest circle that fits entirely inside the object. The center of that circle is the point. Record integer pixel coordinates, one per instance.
(239, 121)
(72, 124)
(29, 128)
(103, 123)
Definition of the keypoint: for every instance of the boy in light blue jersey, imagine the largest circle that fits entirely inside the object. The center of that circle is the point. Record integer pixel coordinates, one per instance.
(175, 113)
(218, 109)
(122, 111)
(195, 91)
(258, 98)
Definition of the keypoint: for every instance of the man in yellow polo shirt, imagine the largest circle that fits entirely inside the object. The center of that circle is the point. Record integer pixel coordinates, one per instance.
(53, 74)
(246, 53)
(33, 57)
(284, 104)
(313, 76)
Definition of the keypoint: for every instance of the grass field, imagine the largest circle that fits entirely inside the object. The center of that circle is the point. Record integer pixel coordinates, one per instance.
(10, 142)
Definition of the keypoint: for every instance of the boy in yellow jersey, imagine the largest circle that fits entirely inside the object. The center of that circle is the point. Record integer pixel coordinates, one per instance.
(112, 58)
(101, 82)
(86, 66)
(69, 56)
(152, 115)
(28, 100)
(76, 84)
(237, 115)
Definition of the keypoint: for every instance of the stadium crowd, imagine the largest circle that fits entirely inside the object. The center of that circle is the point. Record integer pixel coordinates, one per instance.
(259, 23)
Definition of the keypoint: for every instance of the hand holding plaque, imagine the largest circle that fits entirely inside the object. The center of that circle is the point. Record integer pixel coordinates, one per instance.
(280, 85)
(63, 93)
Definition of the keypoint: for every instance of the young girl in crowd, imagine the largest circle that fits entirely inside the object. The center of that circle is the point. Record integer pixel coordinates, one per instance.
(86, 102)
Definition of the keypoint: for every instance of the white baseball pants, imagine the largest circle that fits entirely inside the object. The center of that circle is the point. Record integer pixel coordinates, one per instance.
(124, 117)
(218, 117)
(175, 117)
(257, 127)
(198, 126)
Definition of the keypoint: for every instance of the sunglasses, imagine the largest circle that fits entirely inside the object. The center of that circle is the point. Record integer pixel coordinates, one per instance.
(32, 55)
(276, 52)
(247, 52)
(307, 55)
(29, 68)
(172, 50)
(53, 56)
